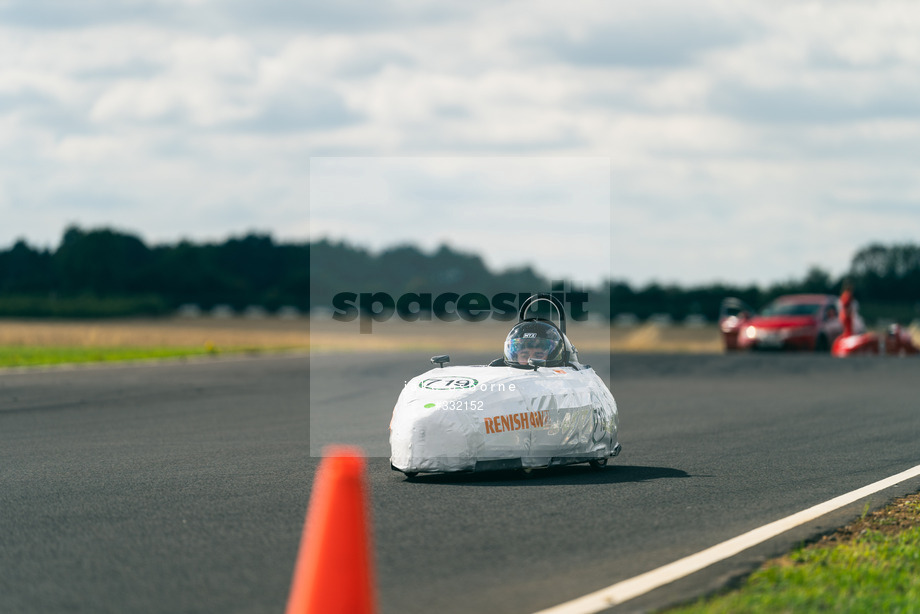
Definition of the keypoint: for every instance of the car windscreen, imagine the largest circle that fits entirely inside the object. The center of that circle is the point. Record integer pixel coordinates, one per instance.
(791, 309)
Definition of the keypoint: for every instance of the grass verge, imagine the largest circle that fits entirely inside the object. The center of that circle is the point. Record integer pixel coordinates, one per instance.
(26, 343)
(871, 565)
(19, 356)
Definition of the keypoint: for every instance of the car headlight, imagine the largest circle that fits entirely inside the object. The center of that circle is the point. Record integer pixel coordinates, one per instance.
(750, 332)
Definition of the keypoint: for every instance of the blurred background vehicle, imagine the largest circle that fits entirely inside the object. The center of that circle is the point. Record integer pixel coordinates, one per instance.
(899, 342)
(807, 322)
(733, 314)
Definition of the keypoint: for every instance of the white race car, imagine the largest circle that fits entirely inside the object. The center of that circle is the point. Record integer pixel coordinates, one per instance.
(535, 407)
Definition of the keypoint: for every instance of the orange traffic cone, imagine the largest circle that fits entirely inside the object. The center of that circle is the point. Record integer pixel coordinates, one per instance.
(334, 565)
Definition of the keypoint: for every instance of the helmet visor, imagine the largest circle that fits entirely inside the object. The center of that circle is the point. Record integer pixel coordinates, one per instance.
(542, 346)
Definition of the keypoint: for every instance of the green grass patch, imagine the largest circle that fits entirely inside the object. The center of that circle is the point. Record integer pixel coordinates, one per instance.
(874, 568)
(25, 356)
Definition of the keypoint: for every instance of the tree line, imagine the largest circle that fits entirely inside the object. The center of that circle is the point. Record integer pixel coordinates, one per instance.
(105, 272)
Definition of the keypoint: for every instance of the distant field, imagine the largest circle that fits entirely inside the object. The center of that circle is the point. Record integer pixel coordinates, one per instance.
(30, 356)
(215, 335)
(490, 336)
(30, 342)
(209, 333)
(45, 342)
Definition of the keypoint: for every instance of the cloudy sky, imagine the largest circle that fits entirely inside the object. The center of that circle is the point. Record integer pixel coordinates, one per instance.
(743, 141)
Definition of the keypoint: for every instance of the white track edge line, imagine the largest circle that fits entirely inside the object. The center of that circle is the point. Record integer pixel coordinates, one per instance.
(643, 583)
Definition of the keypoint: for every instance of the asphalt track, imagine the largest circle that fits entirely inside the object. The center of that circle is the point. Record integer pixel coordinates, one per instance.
(183, 487)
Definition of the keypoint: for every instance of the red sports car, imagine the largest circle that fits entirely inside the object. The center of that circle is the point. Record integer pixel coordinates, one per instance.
(792, 322)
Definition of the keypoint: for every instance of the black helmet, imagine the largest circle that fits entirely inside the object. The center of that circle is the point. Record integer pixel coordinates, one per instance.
(535, 339)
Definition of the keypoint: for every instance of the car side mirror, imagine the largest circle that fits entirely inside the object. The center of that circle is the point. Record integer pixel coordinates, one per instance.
(536, 363)
(440, 360)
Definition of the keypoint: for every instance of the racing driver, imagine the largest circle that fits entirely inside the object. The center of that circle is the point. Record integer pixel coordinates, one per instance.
(537, 340)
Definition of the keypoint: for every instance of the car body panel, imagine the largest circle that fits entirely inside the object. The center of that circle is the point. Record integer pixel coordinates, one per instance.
(855, 345)
(896, 341)
(471, 418)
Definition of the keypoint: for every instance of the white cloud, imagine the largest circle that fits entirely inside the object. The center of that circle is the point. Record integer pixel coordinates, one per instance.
(746, 141)
(511, 210)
